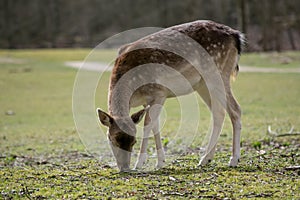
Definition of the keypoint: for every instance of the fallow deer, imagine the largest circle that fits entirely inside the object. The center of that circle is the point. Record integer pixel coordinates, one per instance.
(222, 43)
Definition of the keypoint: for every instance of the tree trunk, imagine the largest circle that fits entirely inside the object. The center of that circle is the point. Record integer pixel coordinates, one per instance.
(291, 38)
(242, 16)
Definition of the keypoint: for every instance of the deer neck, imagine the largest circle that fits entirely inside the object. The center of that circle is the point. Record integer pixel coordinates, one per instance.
(119, 98)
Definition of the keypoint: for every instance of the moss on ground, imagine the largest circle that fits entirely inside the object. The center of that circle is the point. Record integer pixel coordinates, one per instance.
(263, 172)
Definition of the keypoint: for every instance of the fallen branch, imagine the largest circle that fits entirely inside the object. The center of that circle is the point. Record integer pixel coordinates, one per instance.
(290, 133)
(293, 167)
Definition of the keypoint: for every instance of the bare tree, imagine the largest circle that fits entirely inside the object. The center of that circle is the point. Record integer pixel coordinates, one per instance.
(242, 16)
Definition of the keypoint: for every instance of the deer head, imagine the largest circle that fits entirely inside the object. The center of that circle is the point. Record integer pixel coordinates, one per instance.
(121, 135)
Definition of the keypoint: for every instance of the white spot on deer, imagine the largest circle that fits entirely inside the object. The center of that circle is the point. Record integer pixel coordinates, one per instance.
(214, 45)
(223, 46)
(219, 55)
(208, 39)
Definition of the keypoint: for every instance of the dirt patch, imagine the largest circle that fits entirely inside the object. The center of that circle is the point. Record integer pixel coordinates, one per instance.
(8, 60)
(269, 70)
(91, 66)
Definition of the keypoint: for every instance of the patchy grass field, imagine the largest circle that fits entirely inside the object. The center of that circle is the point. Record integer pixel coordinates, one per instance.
(290, 59)
(41, 156)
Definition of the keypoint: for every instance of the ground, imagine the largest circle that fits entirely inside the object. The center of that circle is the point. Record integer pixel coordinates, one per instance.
(42, 157)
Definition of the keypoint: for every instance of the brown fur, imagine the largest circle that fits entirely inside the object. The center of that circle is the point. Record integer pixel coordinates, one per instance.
(205, 33)
(221, 42)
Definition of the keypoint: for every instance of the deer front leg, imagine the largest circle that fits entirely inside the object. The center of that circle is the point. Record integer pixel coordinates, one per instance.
(154, 115)
(142, 158)
(218, 114)
(152, 123)
(160, 151)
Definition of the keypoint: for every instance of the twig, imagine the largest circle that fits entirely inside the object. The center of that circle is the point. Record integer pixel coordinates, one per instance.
(26, 192)
(290, 133)
(293, 167)
(271, 132)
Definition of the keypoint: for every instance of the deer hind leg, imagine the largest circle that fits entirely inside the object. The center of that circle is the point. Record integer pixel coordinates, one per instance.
(218, 115)
(234, 112)
(151, 123)
(233, 108)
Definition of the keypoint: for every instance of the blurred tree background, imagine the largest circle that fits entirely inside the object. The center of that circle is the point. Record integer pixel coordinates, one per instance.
(268, 24)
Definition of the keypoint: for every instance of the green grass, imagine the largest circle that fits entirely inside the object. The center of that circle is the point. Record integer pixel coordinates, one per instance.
(288, 59)
(41, 155)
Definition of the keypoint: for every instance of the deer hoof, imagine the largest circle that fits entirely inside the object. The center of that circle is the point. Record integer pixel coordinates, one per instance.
(141, 160)
(233, 162)
(160, 158)
(160, 164)
(205, 159)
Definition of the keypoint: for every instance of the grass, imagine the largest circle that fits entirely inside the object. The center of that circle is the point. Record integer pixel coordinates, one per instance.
(41, 155)
(287, 59)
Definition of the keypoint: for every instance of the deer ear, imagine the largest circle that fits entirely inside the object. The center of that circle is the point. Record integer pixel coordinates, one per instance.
(138, 116)
(104, 118)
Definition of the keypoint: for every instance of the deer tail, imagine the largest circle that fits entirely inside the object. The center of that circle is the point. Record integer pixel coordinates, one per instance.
(240, 42)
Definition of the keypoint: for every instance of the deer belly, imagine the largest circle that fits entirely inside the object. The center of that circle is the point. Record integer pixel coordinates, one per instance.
(170, 85)
(179, 85)
(137, 100)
